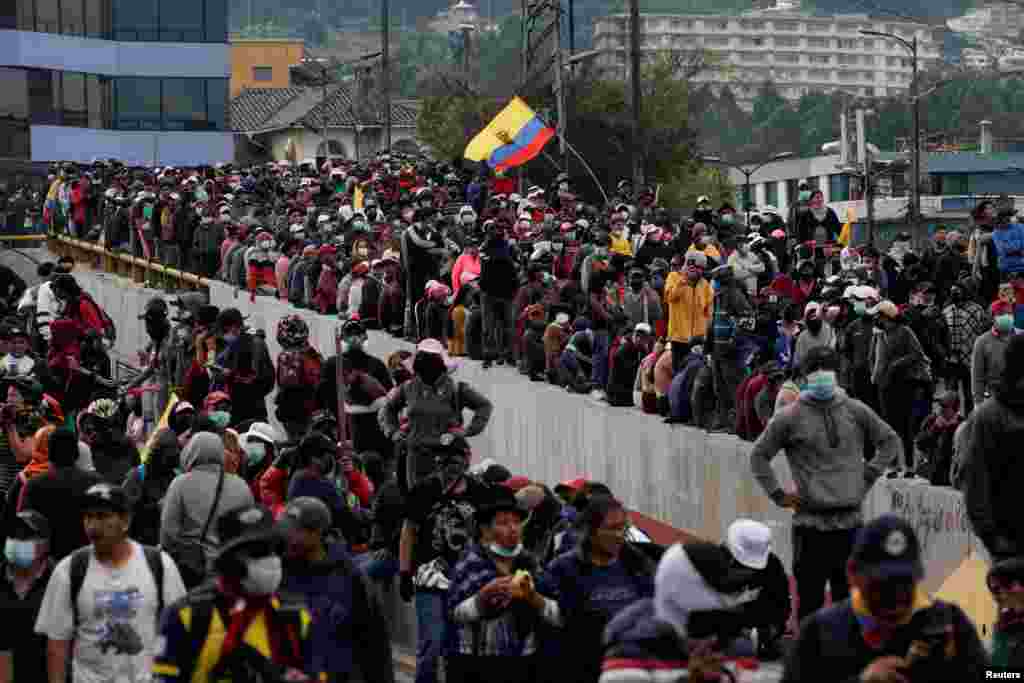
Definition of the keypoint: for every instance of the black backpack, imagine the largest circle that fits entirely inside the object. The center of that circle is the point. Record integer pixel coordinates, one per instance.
(80, 566)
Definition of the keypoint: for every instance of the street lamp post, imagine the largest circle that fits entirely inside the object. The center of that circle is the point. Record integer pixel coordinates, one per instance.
(915, 152)
(747, 172)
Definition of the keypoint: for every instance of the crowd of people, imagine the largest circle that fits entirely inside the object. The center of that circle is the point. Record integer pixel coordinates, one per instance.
(278, 526)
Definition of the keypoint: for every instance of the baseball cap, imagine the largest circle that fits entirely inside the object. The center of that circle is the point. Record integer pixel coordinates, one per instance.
(749, 542)
(244, 525)
(643, 328)
(887, 548)
(812, 307)
(576, 484)
(106, 496)
(261, 431)
(30, 524)
(306, 512)
(486, 513)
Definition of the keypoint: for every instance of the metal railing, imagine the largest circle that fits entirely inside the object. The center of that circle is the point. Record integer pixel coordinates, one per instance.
(140, 270)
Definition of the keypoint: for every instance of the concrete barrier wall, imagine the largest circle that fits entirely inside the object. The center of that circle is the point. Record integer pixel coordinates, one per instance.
(685, 477)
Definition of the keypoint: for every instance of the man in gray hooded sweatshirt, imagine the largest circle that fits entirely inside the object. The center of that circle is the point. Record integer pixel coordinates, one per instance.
(204, 492)
(824, 434)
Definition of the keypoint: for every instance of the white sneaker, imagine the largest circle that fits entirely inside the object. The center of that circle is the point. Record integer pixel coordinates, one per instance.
(598, 395)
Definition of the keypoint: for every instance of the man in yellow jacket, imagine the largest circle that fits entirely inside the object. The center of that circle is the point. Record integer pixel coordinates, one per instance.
(689, 298)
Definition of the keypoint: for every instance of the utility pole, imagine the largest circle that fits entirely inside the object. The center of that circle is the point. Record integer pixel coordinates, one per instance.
(864, 156)
(915, 188)
(572, 29)
(385, 63)
(560, 87)
(634, 18)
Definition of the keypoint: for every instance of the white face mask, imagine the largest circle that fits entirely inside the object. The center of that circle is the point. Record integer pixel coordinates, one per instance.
(507, 553)
(262, 576)
(266, 246)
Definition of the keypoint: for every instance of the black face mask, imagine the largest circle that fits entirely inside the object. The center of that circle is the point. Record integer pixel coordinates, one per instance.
(814, 325)
(429, 366)
(956, 296)
(636, 285)
(158, 328)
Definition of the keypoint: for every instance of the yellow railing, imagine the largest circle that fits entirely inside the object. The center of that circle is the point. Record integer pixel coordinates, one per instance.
(126, 265)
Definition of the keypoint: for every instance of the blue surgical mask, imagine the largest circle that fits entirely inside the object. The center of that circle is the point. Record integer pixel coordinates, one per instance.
(255, 451)
(504, 552)
(821, 385)
(221, 418)
(860, 308)
(1004, 323)
(20, 554)
(230, 338)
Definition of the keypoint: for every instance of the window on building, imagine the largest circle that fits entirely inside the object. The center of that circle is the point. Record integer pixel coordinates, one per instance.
(184, 104)
(752, 56)
(751, 25)
(717, 25)
(771, 193)
(789, 26)
(97, 96)
(786, 41)
(818, 42)
(136, 20)
(753, 42)
(820, 59)
(75, 111)
(181, 20)
(27, 16)
(47, 16)
(847, 44)
(955, 184)
(97, 18)
(848, 60)
(263, 74)
(787, 58)
(41, 97)
(217, 103)
(72, 17)
(137, 103)
(14, 94)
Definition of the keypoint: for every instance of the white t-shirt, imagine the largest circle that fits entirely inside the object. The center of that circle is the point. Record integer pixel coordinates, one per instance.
(116, 639)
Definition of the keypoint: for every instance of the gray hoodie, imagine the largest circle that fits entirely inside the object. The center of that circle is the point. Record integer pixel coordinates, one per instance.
(824, 443)
(190, 497)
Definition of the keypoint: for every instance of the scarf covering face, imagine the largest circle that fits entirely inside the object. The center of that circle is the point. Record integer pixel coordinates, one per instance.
(876, 634)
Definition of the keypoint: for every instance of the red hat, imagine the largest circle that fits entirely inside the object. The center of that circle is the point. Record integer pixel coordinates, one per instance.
(361, 268)
(573, 484)
(1000, 307)
(328, 250)
(516, 483)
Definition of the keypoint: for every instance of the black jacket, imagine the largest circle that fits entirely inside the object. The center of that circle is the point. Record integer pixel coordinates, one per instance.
(57, 496)
(831, 647)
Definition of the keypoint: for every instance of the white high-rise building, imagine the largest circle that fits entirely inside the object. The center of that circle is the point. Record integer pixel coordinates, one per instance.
(799, 52)
(999, 20)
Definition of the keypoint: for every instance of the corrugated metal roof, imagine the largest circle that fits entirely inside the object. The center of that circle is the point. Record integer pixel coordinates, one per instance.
(954, 163)
(263, 109)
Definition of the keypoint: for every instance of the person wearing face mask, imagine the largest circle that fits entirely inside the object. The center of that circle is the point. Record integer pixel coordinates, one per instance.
(101, 611)
(27, 568)
(981, 250)
(890, 630)
(823, 435)
(494, 605)
(324, 472)
(435, 403)
(967, 321)
(746, 265)
(468, 262)
(439, 526)
(988, 357)
(113, 454)
(631, 351)
(158, 356)
(819, 223)
(203, 492)
(147, 483)
(350, 629)
(353, 348)
(260, 448)
(248, 371)
(703, 243)
(689, 298)
(817, 332)
(641, 302)
(19, 361)
(241, 621)
(703, 213)
(854, 344)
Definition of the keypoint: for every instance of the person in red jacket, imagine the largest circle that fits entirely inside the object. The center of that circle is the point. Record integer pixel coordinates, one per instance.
(76, 305)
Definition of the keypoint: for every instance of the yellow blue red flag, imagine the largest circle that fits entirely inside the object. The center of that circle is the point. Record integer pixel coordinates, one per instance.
(515, 136)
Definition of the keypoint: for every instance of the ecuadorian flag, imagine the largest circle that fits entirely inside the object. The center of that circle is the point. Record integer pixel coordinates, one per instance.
(515, 136)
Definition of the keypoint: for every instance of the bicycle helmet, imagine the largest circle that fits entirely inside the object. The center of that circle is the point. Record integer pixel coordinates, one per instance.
(292, 332)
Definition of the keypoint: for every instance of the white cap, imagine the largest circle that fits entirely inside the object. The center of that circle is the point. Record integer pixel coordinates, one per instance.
(750, 543)
(261, 431)
(323, 218)
(562, 319)
(703, 198)
(643, 328)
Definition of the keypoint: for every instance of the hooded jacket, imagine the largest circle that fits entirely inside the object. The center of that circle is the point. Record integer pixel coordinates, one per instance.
(824, 443)
(349, 626)
(190, 497)
(993, 471)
